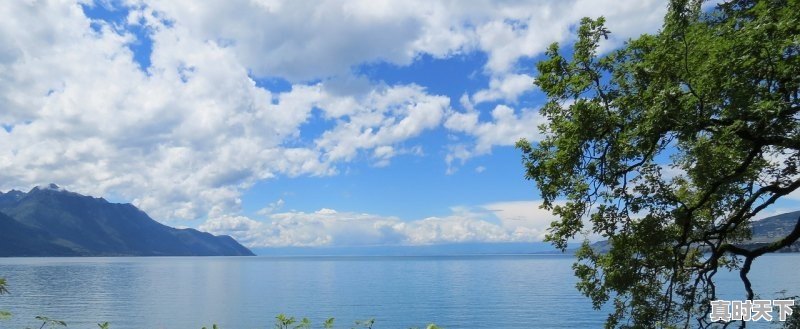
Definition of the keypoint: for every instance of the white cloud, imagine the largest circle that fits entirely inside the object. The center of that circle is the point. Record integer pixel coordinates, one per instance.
(505, 128)
(520, 221)
(781, 160)
(183, 140)
(529, 27)
(175, 145)
(523, 218)
(270, 208)
(507, 88)
(298, 41)
(378, 120)
(186, 137)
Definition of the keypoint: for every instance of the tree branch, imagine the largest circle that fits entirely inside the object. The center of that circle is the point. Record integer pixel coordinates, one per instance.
(750, 255)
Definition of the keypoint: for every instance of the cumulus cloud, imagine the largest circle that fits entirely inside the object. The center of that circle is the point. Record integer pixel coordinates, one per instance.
(520, 221)
(507, 88)
(184, 136)
(506, 127)
(299, 42)
(184, 139)
(176, 144)
(378, 120)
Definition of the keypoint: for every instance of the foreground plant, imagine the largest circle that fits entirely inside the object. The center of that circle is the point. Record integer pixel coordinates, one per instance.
(4, 315)
(51, 323)
(283, 321)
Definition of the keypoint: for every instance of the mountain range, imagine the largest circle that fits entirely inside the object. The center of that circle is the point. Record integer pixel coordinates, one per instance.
(771, 229)
(51, 221)
(764, 231)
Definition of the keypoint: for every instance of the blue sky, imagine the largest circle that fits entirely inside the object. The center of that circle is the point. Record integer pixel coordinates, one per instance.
(326, 123)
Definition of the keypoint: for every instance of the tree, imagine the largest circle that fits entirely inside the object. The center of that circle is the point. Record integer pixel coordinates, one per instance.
(668, 148)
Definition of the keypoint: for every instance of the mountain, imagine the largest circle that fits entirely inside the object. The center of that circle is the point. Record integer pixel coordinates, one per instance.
(17, 239)
(772, 229)
(764, 231)
(51, 221)
(454, 249)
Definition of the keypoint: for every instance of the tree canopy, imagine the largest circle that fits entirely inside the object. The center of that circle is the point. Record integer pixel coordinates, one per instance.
(668, 148)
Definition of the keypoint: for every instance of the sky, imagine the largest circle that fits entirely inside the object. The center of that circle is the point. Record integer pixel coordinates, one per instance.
(292, 123)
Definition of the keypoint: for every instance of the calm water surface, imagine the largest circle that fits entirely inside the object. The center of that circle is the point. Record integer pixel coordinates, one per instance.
(531, 291)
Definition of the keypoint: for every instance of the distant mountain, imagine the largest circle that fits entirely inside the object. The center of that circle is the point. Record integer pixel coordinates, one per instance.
(771, 229)
(17, 239)
(764, 231)
(50, 221)
(454, 249)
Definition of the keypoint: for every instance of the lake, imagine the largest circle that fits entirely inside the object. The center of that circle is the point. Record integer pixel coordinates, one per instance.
(525, 291)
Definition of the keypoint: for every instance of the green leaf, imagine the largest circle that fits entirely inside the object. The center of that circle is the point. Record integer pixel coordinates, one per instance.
(667, 148)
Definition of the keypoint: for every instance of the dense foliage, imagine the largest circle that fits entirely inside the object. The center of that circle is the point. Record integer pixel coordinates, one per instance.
(668, 148)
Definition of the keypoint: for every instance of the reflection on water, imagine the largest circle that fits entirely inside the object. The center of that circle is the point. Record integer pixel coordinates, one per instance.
(400, 292)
